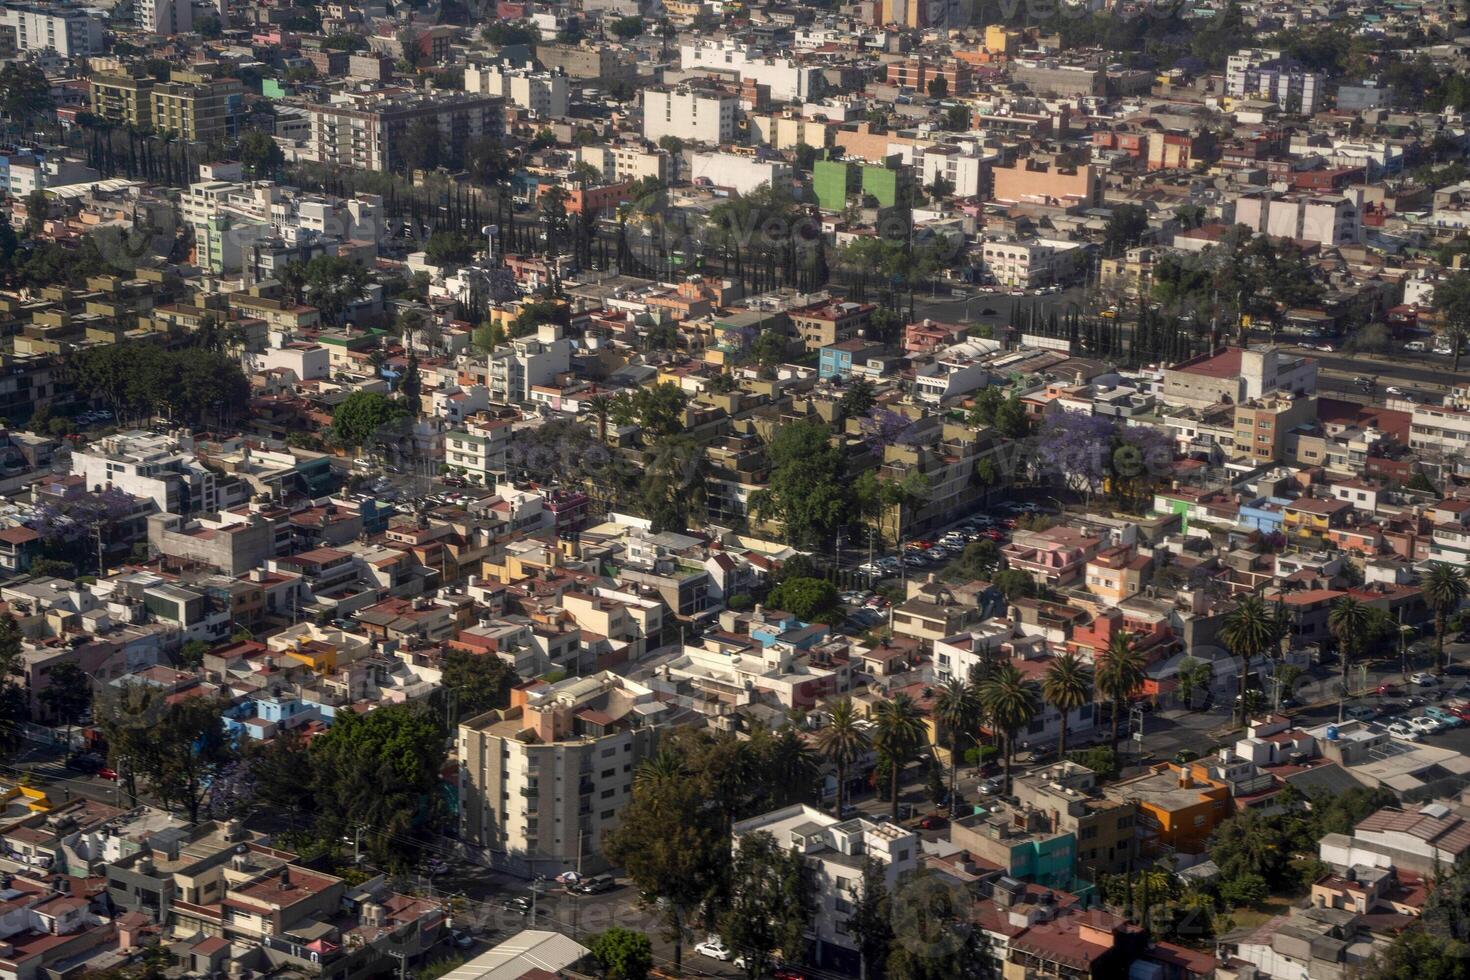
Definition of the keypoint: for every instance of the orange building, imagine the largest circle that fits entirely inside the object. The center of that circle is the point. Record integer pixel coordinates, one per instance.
(1034, 181)
(1178, 807)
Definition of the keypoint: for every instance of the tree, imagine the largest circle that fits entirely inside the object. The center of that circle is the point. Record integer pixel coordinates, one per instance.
(179, 747)
(1248, 631)
(487, 337)
(938, 87)
(478, 682)
(622, 953)
(1415, 954)
(769, 348)
(330, 282)
(1014, 583)
(1120, 673)
(771, 902)
(858, 399)
(979, 560)
(957, 711)
(626, 28)
(1452, 299)
(957, 118)
(1444, 586)
(808, 599)
(1066, 686)
(260, 153)
(1194, 675)
(791, 766)
(451, 248)
(806, 491)
(281, 775)
(25, 94)
(364, 415)
(191, 654)
(67, 694)
(1125, 228)
(1010, 702)
(898, 735)
(671, 848)
(1349, 621)
(38, 209)
(842, 740)
(380, 771)
(871, 921)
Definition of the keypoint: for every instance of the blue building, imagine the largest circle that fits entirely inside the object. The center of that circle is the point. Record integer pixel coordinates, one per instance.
(1264, 514)
(837, 360)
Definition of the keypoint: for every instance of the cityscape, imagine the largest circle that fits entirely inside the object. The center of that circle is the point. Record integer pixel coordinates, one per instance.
(642, 489)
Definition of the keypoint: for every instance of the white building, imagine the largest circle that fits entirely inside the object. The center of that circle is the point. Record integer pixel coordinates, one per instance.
(1330, 220)
(148, 465)
(518, 366)
(837, 852)
(692, 116)
(541, 92)
(1256, 73)
(1037, 262)
(72, 32)
(165, 16)
(788, 80)
(626, 161)
(964, 171)
(542, 783)
(740, 172)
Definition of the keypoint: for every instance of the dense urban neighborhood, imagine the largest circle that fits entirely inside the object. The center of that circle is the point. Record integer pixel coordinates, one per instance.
(630, 489)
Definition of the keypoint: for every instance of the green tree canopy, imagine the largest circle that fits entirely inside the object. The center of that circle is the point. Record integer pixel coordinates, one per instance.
(364, 416)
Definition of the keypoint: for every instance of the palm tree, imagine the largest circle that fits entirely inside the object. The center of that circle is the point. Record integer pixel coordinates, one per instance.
(1066, 686)
(1248, 630)
(1011, 702)
(1349, 621)
(660, 770)
(1194, 675)
(842, 740)
(601, 407)
(957, 711)
(1444, 587)
(792, 766)
(1120, 673)
(899, 733)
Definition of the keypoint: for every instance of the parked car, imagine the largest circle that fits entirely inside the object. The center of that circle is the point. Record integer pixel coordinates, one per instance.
(1425, 725)
(519, 905)
(1362, 712)
(595, 885)
(462, 940)
(1424, 679)
(932, 821)
(787, 973)
(107, 772)
(1445, 716)
(714, 948)
(1185, 756)
(1403, 732)
(1386, 690)
(1416, 347)
(990, 787)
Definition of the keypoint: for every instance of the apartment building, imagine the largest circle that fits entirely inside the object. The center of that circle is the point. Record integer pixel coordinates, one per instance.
(1262, 425)
(1442, 429)
(524, 363)
(1068, 794)
(164, 16)
(1328, 220)
(837, 851)
(1258, 73)
(192, 105)
(603, 63)
(1232, 375)
(1034, 181)
(691, 115)
(542, 782)
(965, 172)
(741, 172)
(147, 465)
(479, 449)
(543, 93)
(787, 79)
(919, 74)
(1037, 262)
(627, 162)
(823, 324)
(70, 31)
(370, 131)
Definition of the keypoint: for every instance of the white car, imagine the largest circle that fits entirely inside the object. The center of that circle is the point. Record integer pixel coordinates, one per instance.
(1416, 346)
(1424, 725)
(1403, 732)
(1424, 679)
(1394, 390)
(1362, 712)
(714, 948)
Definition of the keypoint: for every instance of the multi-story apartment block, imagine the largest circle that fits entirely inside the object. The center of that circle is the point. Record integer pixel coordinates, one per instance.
(70, 31)
(690, 114)
(1262, 425)
(543, 93)
(192, 105)
(164, 16)
(522, 364)
(837, 851)
(120, 97)
(604, 63)
(370, 131)
(1028, 264)
(147, 465)
(542, 781)
(1328, 220)
(787, 79)
(1257, 73)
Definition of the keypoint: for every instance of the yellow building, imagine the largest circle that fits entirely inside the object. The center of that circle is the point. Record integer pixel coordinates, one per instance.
(197, 107)
(1000, 39)
(120, 98)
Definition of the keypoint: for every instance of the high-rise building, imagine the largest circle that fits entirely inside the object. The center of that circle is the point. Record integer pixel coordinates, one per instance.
(542, 781)
(70, 31)
(164, 16)
(371, 131)
(690, 114)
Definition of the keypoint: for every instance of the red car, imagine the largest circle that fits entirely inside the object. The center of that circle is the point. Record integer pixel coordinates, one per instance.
(921, 544)
(932, 821)
(995, 535)
(107, 772)
(1385, 690)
